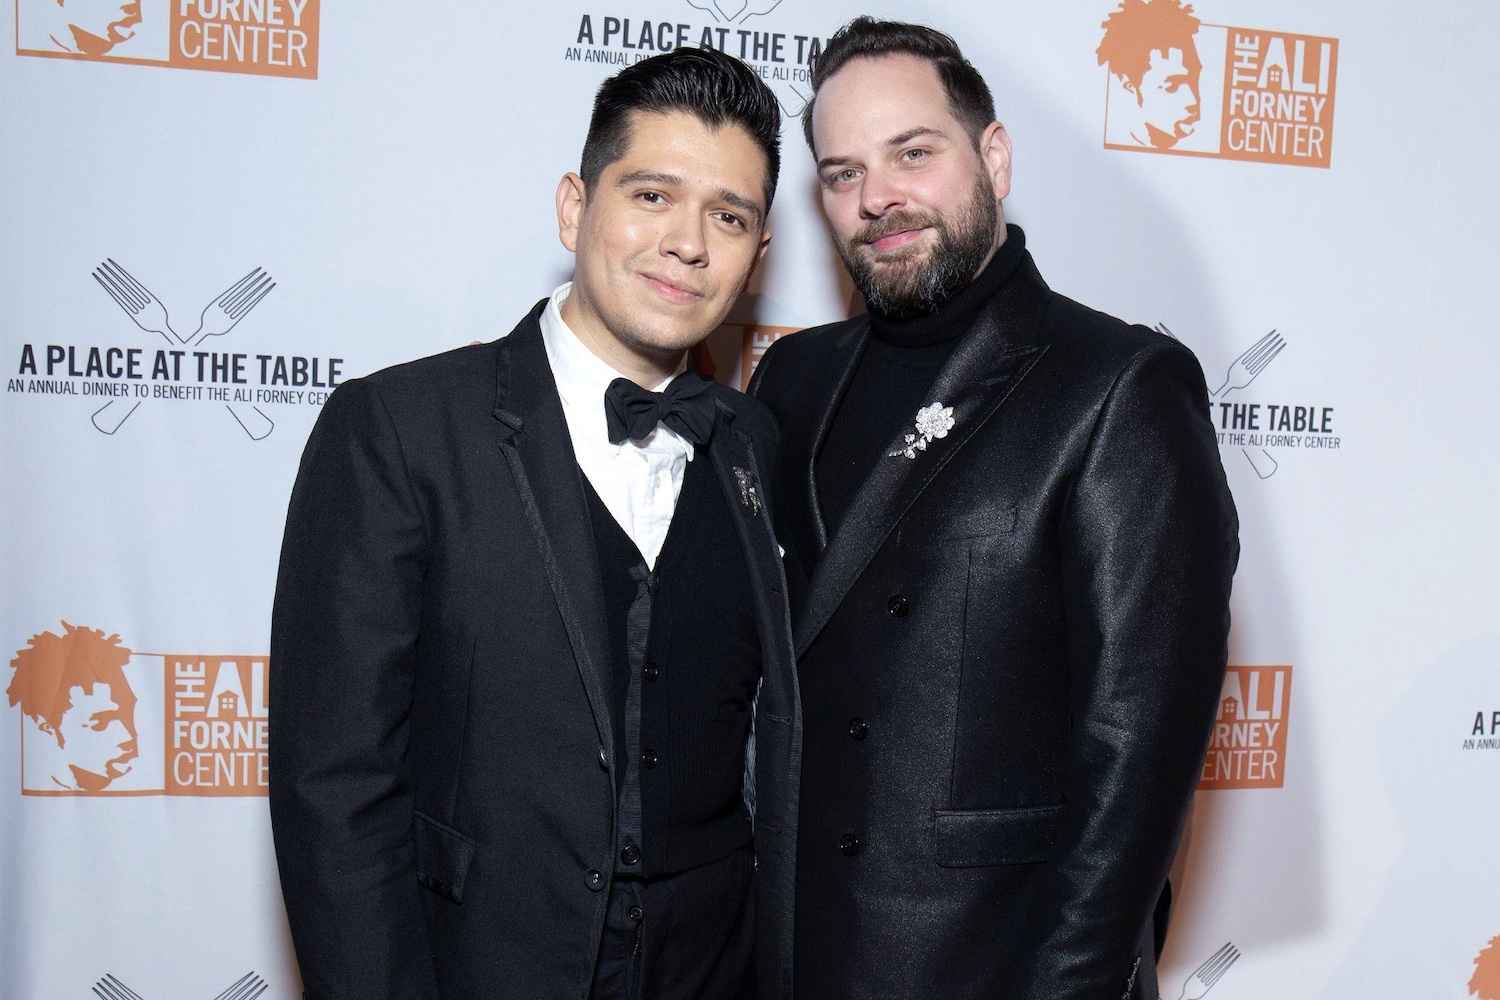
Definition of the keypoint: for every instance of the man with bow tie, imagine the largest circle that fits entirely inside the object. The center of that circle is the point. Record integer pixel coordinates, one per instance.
(1010, 545)
(532, 701)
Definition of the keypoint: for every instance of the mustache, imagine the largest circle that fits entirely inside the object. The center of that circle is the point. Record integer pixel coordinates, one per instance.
(894, 223)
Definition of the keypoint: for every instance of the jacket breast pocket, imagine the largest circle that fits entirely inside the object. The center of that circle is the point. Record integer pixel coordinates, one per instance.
(979, 520)
(443, 857)
(975, 838)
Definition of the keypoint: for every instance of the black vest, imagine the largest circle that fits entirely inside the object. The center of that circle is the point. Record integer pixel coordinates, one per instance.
(685, 675)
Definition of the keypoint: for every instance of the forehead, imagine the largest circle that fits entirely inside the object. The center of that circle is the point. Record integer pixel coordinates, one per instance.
(100, 698)
(682, 145)
(1168, 60)
(873, 99)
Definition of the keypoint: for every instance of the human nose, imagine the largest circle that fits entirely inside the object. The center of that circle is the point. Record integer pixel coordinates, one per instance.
(684, 239)
(878, 194)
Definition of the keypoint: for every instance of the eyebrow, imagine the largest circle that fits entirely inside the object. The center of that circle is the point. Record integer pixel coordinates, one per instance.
(672, 180)
(900, 139)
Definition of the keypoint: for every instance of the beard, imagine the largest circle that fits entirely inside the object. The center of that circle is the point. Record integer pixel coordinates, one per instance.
(911, 281)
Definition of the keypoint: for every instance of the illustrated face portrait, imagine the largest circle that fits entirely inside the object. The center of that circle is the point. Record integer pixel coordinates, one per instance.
(666, 239)
(1168, 98)
(96, 739)
(93, 26)
(912, 205)
(72, 687)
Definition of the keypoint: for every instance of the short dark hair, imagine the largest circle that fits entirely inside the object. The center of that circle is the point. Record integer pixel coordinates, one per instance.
(866, 38)
(716, 88)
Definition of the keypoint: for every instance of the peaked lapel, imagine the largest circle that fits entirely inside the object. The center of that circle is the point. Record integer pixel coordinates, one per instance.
(539, 451)
(989, 361)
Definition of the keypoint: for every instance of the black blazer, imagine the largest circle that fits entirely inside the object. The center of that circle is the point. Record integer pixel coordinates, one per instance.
(1010, 655)
(443, 768)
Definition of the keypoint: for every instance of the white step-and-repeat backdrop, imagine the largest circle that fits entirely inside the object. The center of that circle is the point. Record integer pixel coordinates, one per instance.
(214, 211)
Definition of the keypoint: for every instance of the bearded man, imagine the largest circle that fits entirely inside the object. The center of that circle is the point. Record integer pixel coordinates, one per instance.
(1009, 544)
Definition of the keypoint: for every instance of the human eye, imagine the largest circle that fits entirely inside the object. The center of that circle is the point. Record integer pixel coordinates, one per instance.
(914, 155)
(842, 177)
(650, 197)
(729, 219)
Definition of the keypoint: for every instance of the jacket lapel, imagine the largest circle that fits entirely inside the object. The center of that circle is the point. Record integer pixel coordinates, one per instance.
(817, 401)
(539, 452)
(988, 363)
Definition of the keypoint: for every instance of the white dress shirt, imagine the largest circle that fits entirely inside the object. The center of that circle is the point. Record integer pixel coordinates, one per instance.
(639, 481)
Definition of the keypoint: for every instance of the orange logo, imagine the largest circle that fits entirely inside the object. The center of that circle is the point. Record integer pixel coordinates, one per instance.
(1178, 85)
(106, 720)
(264, 37)
(754, 339)
(1485, 983)
(1248, 747)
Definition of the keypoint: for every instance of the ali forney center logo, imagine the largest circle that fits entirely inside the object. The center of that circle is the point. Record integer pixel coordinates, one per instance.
(1179, 85)
(263, 37)
(1248, 745)
(102, 719)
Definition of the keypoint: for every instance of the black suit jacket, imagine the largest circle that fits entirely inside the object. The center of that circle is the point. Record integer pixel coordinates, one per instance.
(1010, 655)
(443, 764)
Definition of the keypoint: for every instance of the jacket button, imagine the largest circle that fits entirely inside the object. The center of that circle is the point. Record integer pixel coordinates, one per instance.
(631, 854)
(898, 606)
(637, 914)
(648, 759)
(651, 672)
(603, 761)
(849, 845)
(594, 879)
(857, 728)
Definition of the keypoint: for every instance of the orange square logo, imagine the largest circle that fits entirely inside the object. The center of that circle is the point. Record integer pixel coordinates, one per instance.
(1248, 746)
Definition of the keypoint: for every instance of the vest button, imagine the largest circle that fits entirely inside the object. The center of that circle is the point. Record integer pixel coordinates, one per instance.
(857, 728)
(594, 879)
(637, 914)
(648, 759)
(898, 606)
(631, 854)
(849, 845)
(603, 761)
(651, 672)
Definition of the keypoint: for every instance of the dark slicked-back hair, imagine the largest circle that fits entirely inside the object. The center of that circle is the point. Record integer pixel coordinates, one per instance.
(715, 88)
(864, 37)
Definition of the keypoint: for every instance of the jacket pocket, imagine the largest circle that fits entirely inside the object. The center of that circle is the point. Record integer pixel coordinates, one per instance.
(974, 838)
(978, 521)
(443, 857)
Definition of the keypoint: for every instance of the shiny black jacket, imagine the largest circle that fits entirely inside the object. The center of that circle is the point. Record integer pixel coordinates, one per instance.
(1010, 655)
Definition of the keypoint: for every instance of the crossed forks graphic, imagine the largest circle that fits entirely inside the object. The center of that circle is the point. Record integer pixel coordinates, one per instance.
(1211, 971)
(218, 318)
(247, 987)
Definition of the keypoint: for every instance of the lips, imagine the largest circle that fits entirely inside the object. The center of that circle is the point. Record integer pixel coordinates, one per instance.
(670, 290)
(895, 240)
(895, 231)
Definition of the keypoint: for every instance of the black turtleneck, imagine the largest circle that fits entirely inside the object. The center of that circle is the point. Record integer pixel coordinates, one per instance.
(892, 378)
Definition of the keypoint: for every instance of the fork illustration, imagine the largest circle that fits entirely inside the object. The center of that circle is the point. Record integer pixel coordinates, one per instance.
(220, 315)
(111, 988)
(1203, 979)
(1250, 364)
(249, 986)
(133, 297)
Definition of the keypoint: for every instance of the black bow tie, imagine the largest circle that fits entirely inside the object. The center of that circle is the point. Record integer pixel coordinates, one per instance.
(687, 407)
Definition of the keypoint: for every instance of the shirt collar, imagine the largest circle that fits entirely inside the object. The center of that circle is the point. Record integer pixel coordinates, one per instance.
(581, 375)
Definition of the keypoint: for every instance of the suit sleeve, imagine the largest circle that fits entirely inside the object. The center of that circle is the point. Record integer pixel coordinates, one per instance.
(1149, 549)
(343, 640)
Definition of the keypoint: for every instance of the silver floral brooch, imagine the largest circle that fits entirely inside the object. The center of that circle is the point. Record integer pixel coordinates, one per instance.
(933, 421)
